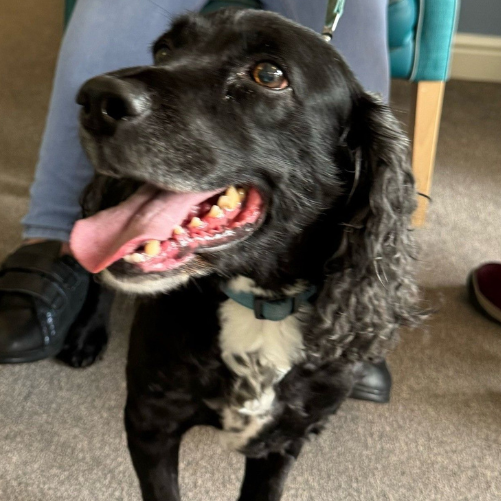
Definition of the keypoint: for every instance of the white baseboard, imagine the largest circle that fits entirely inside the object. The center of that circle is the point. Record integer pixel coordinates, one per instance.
(476, 57)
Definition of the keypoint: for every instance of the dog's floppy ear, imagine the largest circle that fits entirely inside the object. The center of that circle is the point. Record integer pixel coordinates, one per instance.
(369, 289)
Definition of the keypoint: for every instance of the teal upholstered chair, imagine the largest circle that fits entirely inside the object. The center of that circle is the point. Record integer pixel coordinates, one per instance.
(420, 39)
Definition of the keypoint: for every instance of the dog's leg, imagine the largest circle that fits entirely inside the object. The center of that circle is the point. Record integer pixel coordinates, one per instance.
(88, 335)
(155, 456)
(265, 477)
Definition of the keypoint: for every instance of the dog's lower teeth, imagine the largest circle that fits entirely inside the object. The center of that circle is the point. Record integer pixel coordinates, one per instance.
(196, 222)
(152, 248)
(216, 211)
(229, 201)
(224, 202)
(233, 196)
(134, 258)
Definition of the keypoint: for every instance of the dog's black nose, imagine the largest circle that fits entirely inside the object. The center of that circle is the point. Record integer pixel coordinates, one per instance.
(107, 101)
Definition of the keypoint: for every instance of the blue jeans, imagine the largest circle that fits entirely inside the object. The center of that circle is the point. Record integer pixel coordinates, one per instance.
(104, 35)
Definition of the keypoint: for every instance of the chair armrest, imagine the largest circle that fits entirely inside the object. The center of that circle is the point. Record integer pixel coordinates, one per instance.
(437, 23)
(402, 20)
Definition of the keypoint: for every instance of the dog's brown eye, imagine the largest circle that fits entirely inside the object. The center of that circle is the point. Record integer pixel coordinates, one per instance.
(269, 75)
(162, 54)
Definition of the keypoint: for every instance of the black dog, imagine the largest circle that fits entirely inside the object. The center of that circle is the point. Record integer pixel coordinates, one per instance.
(246, 168)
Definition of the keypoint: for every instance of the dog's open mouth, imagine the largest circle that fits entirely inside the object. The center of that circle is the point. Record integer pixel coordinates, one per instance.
(156, 231)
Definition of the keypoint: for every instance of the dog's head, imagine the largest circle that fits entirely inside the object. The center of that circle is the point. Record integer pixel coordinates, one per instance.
(253, 151)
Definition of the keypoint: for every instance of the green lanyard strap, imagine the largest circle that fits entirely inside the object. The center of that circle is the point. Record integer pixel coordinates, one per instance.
(334, 12)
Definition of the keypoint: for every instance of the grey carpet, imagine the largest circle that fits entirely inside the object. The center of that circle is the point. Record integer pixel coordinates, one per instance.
(61, 434)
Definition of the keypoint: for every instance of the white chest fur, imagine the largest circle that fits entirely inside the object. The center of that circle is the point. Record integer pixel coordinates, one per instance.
(259, 353)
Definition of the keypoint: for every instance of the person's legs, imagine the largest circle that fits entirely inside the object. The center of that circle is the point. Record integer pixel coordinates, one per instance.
(101, 37)
(361, 36)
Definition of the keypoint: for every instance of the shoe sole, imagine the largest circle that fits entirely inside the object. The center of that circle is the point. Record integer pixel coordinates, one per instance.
(33, 355)
(480, 301)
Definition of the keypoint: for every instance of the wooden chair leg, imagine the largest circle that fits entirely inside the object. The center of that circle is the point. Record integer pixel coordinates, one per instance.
(429, 99)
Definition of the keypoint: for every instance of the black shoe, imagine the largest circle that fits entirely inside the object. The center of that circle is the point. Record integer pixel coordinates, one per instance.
(374, 383)
(41, 294)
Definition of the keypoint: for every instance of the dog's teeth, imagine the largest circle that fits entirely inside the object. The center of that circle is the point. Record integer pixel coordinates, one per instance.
(178, 230)
(196, 222)
(138, 258)
(216, 211)
(233, 195)
(152, 248)
(134, 258)
(230, 200)
(223, 202)
(242, 194)
(226, 203)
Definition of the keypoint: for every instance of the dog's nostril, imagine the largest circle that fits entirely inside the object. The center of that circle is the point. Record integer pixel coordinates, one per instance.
(115, 108)
(107, 102)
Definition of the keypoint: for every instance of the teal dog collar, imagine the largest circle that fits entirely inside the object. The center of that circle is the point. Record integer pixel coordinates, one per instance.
(270, 309)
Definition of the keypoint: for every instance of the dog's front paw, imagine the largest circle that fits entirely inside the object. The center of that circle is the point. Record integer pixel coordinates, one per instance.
(83, 348)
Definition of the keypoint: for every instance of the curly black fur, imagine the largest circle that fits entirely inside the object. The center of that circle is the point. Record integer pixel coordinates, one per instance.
(370, 289)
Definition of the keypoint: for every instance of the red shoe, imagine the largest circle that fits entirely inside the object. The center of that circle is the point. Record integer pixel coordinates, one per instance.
(484, 285)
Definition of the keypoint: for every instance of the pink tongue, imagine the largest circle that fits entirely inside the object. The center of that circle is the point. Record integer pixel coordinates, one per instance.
(149, 214)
